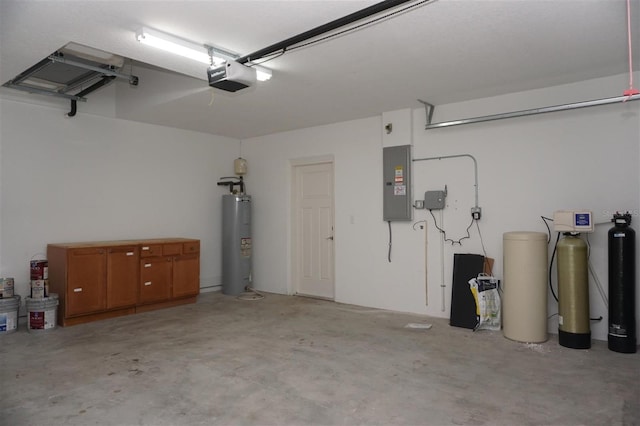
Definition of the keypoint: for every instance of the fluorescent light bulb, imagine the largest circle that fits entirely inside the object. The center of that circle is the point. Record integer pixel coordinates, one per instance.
(262, 73)
(199, 52)
(174, 45)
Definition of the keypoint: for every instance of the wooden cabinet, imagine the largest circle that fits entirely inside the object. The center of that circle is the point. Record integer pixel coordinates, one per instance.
(186, 282)
(86, 291)
(155, 279)
(122, 276)
(97, 280)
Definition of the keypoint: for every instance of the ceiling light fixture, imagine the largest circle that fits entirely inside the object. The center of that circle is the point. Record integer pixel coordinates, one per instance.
(262, 73)
(176, 45)
(212, 56)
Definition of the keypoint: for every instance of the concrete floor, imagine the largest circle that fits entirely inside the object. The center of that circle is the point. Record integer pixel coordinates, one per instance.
(296, 361)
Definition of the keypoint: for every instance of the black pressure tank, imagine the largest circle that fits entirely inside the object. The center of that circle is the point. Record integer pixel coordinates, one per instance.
(622, 275)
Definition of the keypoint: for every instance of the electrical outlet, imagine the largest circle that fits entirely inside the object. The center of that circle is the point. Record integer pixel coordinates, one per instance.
(476, 213)
(419, 204)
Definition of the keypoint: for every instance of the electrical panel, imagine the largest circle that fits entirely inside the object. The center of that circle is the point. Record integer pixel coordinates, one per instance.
(434, 200)
(396, 162)
(572, 221)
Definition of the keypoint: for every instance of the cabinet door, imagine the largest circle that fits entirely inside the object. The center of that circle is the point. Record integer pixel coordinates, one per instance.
(86, 287)
(122, 276)
(155, 279)
(186, 275)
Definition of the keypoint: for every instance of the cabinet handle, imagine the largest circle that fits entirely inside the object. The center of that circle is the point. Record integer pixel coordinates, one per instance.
(147, 283)
(129, 253)
(145, 248)
(147, 265)
(77, 290)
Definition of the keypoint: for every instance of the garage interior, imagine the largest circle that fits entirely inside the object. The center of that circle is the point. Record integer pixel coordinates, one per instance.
(509, 115)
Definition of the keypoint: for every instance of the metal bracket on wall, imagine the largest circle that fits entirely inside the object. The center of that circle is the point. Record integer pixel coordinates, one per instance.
(428, 109)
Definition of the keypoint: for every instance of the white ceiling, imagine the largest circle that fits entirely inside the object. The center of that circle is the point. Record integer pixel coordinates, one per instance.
(445, 51)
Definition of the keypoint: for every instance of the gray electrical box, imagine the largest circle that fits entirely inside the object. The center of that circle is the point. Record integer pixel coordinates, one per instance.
(396, 163)
(434, 200)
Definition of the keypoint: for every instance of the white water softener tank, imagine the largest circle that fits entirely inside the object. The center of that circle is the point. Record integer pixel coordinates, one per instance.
(524, 300)
(236, 243)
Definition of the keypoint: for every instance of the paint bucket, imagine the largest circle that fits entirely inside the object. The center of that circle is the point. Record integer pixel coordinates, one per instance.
(39, 278)
(39, 289)
(41, 313)
(6, 288)
(9, 314)
(39, 269)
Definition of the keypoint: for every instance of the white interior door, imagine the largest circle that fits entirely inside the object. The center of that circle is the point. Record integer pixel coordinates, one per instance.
(313, 252)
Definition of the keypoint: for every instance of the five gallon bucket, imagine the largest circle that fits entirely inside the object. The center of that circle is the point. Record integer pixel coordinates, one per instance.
(41, 313)
(9, 314)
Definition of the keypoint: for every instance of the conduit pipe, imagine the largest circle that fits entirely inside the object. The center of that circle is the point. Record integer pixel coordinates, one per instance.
(475, 167)
(475, 174)
(576, 105)
(442, 284)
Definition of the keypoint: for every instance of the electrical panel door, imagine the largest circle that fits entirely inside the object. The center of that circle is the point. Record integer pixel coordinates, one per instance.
(396, 161)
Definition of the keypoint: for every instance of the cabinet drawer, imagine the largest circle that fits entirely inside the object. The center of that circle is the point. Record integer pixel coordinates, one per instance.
(85, 251)
(129, 251)
(191, 247)
(149, 250)
(155, 279)
(171, 249)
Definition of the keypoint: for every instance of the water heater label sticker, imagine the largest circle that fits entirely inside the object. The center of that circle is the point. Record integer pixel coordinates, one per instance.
(400, 190)
(245, 247)
(560, 320)
(399, 171)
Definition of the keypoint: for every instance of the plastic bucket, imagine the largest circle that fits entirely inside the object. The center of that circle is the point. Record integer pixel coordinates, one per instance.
(9, 314)
(42, 313)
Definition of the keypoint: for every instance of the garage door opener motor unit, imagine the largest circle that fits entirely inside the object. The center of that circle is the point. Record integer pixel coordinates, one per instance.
(232, 76)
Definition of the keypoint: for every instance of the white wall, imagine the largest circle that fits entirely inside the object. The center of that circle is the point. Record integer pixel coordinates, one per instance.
(94, 177)
(528, 167)
(98, 178)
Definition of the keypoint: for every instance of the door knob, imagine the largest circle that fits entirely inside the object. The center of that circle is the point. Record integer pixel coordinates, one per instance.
(329, 238)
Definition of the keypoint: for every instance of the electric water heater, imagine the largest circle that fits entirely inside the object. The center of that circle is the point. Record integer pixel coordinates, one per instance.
(236, 243)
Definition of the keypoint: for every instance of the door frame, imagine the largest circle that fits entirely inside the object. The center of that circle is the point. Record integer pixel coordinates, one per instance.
(293, 163)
